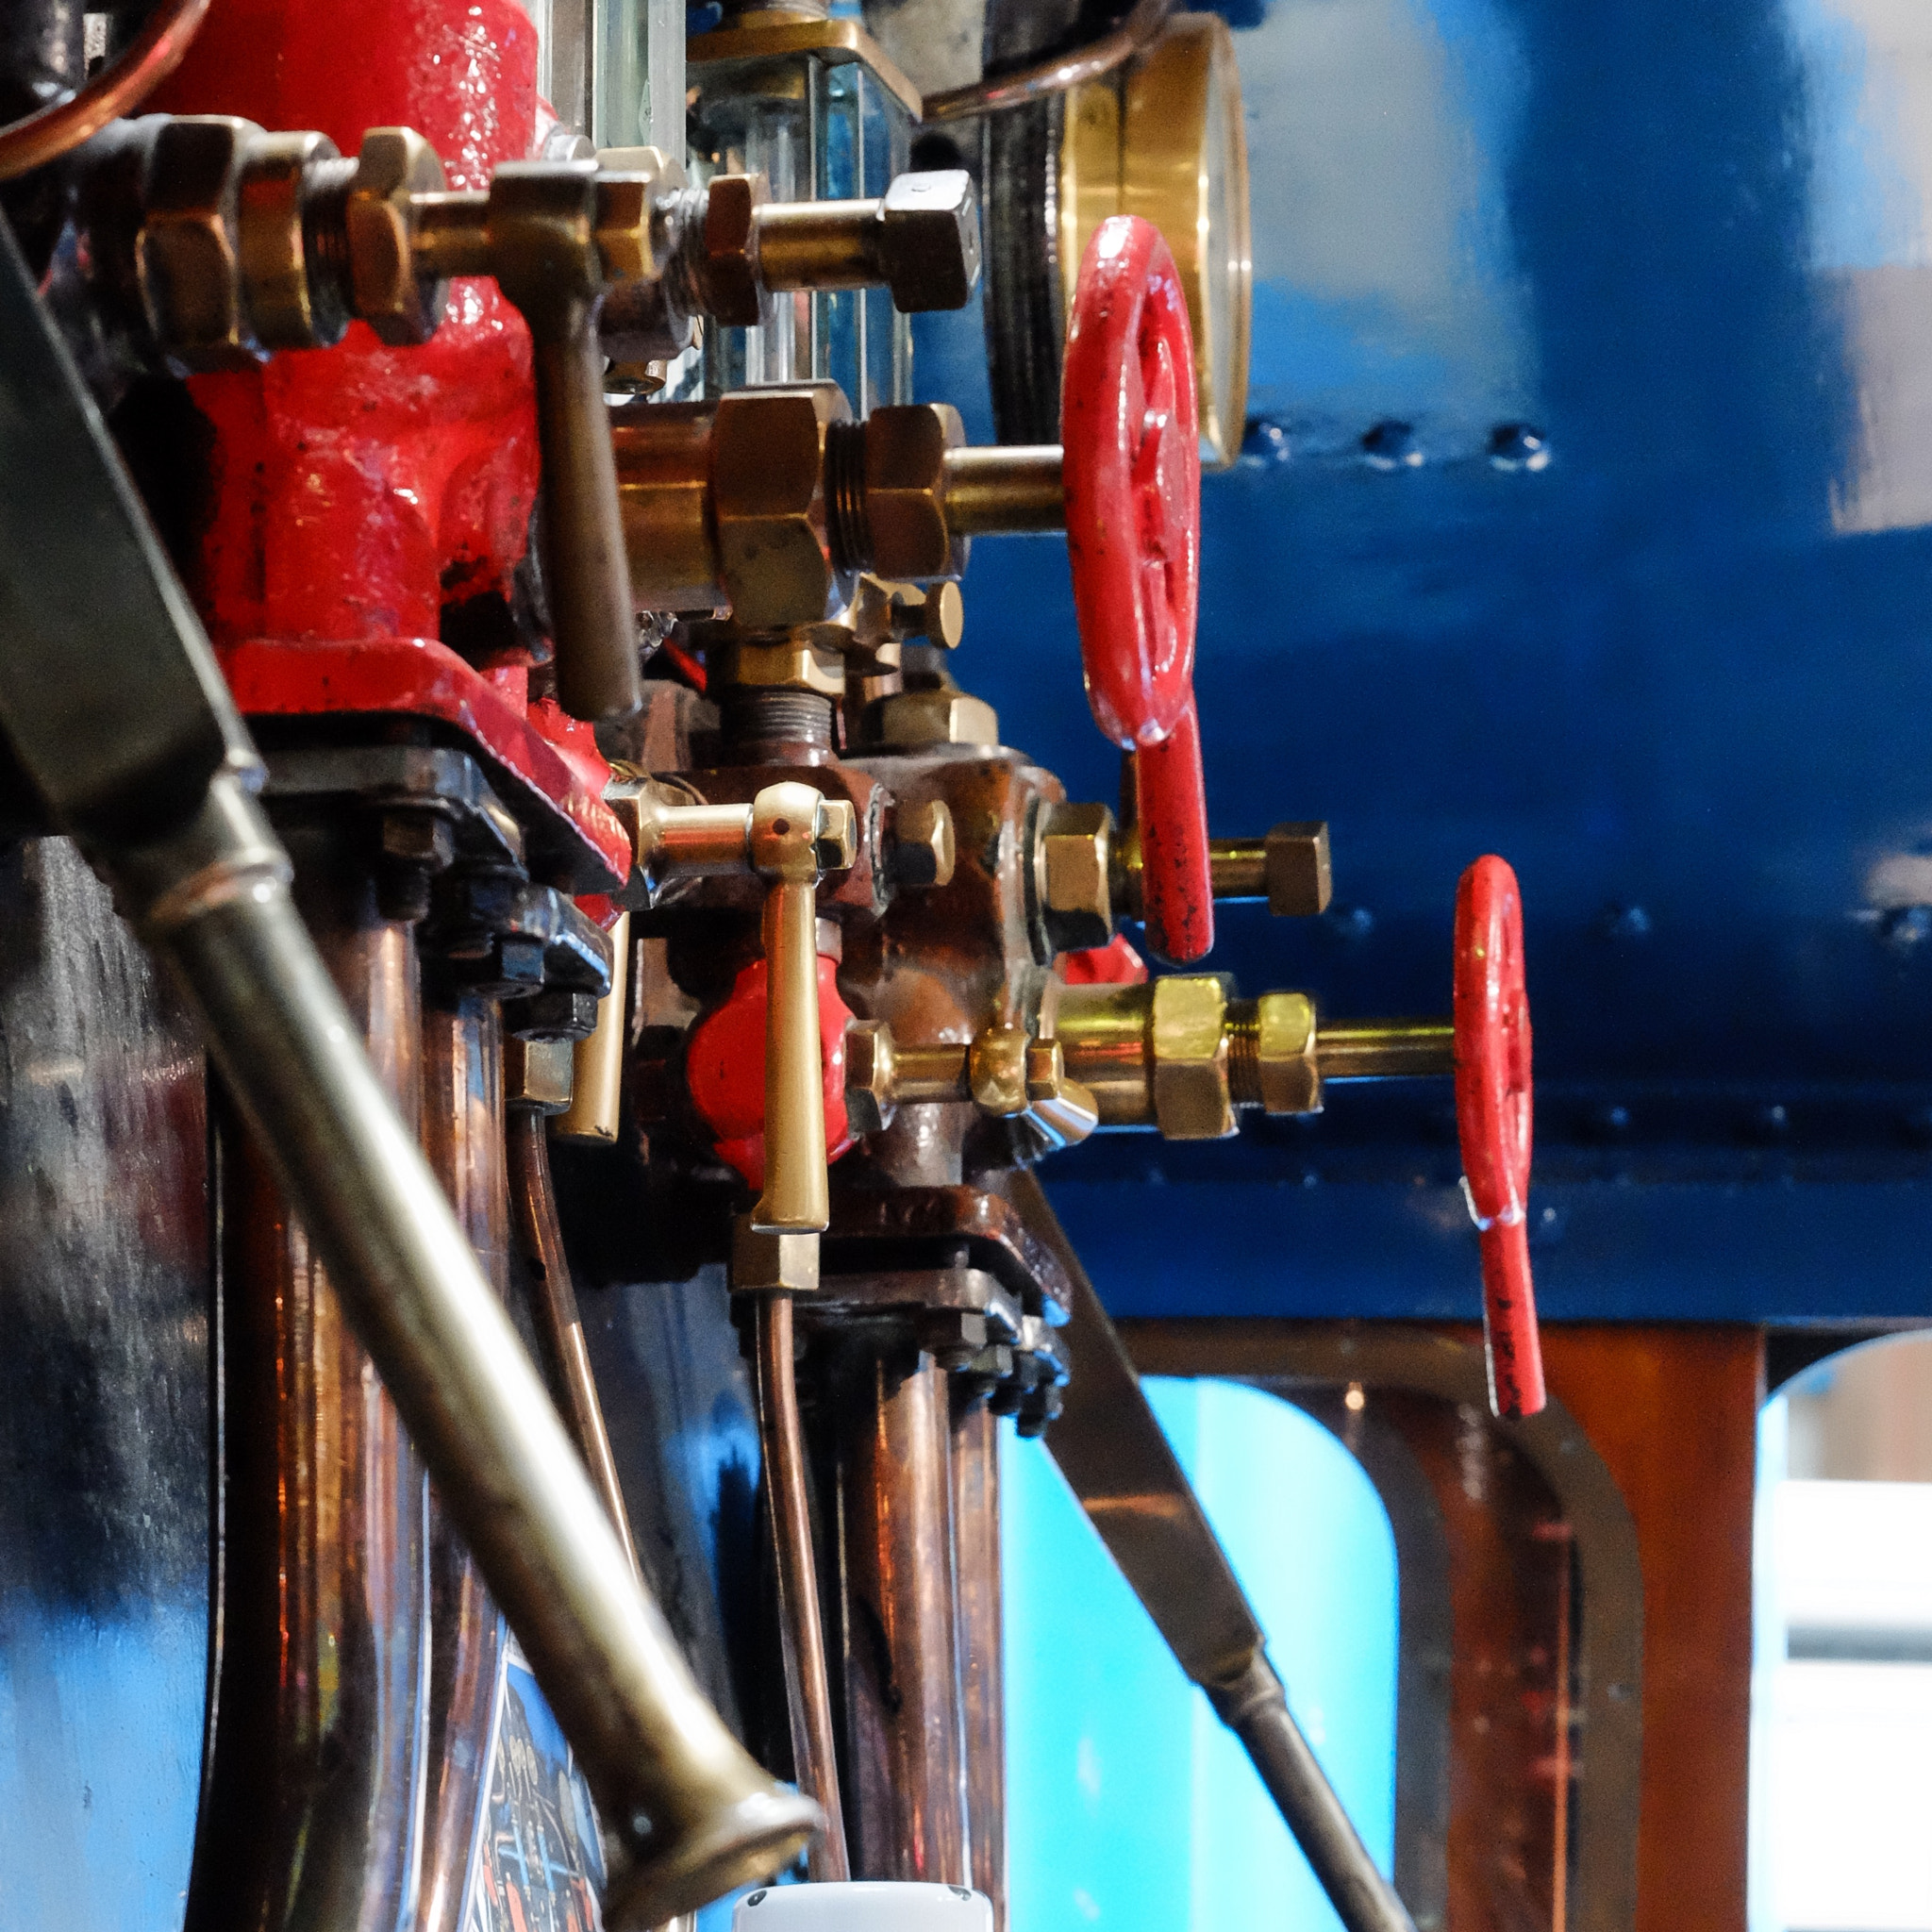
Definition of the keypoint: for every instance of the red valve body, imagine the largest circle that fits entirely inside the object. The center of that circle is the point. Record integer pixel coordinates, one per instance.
(1130, 430)
(1493, 1120)
(724, 1069)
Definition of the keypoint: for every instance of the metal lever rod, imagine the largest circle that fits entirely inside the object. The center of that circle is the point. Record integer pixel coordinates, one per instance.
(112, 701)
(1111, 1449)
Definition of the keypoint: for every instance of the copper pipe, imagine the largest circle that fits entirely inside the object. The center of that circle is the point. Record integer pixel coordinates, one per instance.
(118, 89)
(906, 1808)
(982, 1674)
(808, 1691)
(317, 1784)
(463, 1136)
(1057, 74)
(559, 1324)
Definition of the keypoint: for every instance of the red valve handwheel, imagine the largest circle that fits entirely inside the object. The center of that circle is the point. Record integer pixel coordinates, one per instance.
(1131, 445)
(724, 1069)
(1493, 1118)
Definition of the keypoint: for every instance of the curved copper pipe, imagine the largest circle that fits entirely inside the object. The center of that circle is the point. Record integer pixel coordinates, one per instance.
(1057, 74)
(533, 1202)
(120, 86)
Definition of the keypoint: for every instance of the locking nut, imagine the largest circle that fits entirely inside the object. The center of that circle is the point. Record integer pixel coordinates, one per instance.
(768, 499)
(403, 306)
(187, 249)
(930, 245)
(1272, 1060)
(870, 1077)
(723, 258)
(1188, 1056)
(1072, 850)
(904, 492)
(919, 852)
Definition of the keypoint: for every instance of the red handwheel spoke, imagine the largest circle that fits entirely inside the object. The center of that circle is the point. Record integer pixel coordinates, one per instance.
(1493, 1108)
(1130, 433)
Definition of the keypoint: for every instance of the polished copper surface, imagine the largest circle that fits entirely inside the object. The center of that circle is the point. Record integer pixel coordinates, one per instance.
(982, 1672)
(808, 1691)
(315, 1800)
(464, 1135)
(554, 1308)
(905, 1800)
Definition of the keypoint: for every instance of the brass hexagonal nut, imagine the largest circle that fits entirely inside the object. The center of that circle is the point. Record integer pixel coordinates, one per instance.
(921, 848)
(187, 249)
(727, 267)
(622, 226)
(1072, 850)
(1288, 1079)
(929, 249)
(400, 305)
(910, 718)
(870, 1077)
(768, 452)
(905, 490)
(286, 306)
(1187, 1048)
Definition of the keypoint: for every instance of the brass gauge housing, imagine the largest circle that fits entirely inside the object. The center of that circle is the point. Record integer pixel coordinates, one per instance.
(1163, 137)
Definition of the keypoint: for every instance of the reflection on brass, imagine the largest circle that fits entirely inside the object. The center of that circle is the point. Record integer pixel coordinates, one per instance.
(597, 1063)
(1072, 853)
(711, 59)
(920, 240)
(1163, 137)
(808, 1696)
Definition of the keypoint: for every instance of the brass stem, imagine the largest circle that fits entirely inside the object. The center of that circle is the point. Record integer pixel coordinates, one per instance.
(1004, 487)
(930, 1073)
(1385, 1049)
(819, 244)
(797, 1197)
(452, 233)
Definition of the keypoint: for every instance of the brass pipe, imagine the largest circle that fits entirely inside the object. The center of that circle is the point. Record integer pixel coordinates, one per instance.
(1004, 488)
(1384, 1049)
(808, 1686)
(560, 1323)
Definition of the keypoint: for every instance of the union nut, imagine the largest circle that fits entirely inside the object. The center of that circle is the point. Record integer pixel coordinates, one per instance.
(1272, 1062)
(187, 249)
(768, 497)
(402, 304)
(902, 493)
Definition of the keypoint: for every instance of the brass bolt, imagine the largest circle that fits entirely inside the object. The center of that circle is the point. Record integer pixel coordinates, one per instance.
(921, 842)
(768, 500)
(996, 1071)
(901, 528)
(186, 252)
(1072, 844)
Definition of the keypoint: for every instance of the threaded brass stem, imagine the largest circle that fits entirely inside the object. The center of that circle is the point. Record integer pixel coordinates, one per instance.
(1242, 1029)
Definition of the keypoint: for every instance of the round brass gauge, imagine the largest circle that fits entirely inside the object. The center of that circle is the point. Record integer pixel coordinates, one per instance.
(1163, 137)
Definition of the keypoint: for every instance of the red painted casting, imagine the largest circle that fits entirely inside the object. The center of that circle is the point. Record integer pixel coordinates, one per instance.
(724, 1069)
(1132, 469)
(1492, 1116)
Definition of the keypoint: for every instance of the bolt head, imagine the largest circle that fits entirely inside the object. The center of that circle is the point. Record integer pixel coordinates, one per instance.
(1300, 882)
(930, 247)
(922, 844)
(554, 1014)
(393, 165)
(870, 1077)
(727, 269)
(1188, 1051)
(188, 248)
(1071, 859)
(909, 720)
